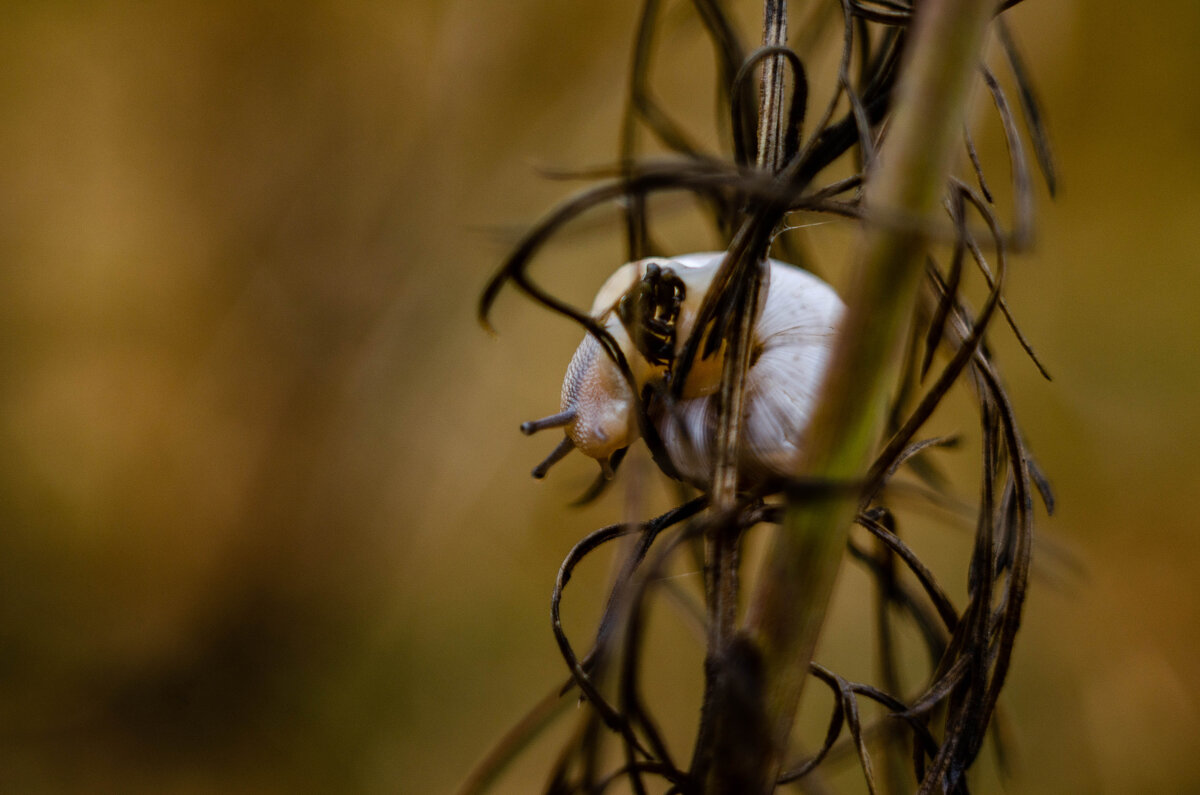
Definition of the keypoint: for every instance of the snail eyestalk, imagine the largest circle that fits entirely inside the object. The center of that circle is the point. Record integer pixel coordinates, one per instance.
(558, 420)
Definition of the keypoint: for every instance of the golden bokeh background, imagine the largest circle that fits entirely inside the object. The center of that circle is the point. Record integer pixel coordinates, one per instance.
(267, 524)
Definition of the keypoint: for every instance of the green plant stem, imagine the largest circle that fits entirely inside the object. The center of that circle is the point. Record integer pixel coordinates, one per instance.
(902, 200)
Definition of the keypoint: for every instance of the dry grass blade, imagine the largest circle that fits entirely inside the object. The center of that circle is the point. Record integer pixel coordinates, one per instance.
(1031, 108)
(1022, 185)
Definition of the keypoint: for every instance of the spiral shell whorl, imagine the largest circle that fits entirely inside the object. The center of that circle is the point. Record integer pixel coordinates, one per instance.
(792, 342)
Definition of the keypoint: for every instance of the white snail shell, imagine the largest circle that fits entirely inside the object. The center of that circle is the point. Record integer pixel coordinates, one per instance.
(790, 352)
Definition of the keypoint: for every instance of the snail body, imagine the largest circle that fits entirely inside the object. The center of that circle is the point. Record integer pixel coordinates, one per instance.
(790, 348)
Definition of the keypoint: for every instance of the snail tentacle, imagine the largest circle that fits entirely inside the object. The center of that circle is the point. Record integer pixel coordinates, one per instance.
(553, 421)
(560, 452)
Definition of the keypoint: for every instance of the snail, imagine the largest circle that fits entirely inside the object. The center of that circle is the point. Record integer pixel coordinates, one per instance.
(649, 307)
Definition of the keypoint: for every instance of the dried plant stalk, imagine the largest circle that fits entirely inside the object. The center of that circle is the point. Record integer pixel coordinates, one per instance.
(912, 74)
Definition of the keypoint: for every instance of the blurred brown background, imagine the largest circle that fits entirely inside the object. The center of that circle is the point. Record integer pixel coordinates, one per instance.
(267, 524)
